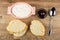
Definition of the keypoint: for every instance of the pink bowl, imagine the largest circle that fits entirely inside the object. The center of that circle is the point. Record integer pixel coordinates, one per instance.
(21, 10)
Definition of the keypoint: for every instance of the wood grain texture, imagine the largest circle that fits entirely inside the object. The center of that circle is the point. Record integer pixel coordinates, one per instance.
(46, 4)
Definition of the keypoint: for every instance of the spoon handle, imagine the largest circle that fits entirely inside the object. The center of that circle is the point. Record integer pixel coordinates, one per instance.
(50, 26)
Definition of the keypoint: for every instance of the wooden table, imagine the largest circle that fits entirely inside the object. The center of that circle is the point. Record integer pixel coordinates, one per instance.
(46, 4)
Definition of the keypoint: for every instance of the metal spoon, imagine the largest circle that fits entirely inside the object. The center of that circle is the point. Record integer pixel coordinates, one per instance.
(52, 13)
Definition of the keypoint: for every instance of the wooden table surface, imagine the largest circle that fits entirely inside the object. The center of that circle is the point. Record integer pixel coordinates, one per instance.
(46, 4)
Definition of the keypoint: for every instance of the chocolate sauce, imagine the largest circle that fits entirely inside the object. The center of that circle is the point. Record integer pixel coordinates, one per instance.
(42, 13)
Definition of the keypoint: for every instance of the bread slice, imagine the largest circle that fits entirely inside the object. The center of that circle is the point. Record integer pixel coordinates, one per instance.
(37, 28)
(17, 27)
(20, 33)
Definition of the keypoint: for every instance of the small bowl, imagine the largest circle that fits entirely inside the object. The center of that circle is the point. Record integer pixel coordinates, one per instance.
(21, 10)
(42, 13)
